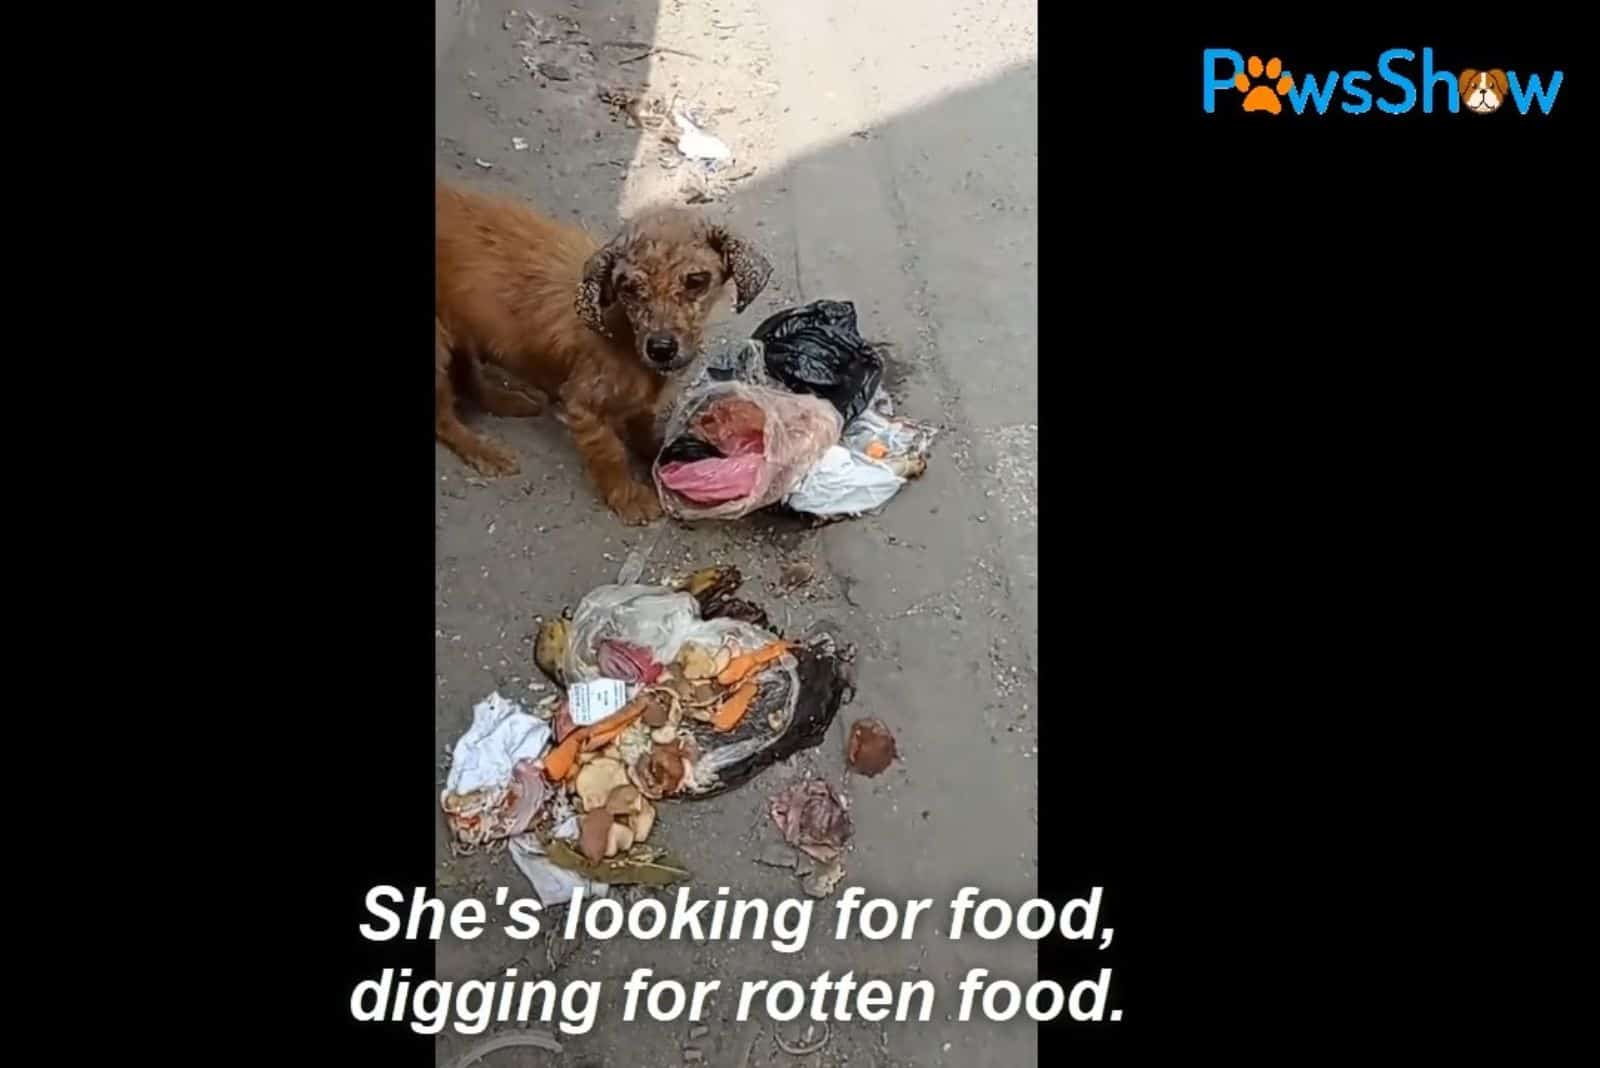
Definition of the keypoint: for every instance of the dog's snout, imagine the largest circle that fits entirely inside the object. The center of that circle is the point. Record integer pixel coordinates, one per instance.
(661, 347)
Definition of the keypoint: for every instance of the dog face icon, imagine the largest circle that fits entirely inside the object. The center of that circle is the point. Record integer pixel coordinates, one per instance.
(1483, 91)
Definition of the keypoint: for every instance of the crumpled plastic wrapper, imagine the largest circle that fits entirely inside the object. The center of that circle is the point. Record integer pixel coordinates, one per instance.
(495, 788)
(813, 818)
(875, 458)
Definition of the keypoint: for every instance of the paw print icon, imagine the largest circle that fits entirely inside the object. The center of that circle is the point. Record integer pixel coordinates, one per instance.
(1263, 96)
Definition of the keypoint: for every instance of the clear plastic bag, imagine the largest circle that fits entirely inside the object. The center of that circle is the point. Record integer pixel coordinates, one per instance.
(649, 617)
(844, 483)
(768, 438)
(901, 445)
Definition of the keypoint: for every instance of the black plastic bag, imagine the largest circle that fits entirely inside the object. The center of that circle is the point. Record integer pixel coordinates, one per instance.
(826, 673)
(816, 349)
(686, 448)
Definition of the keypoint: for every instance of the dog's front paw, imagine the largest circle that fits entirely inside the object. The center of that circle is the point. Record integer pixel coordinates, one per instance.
(494, 460)
(634, 503)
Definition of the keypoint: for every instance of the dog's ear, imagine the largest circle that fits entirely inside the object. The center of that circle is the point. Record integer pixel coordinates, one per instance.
(1497, 78)
(747, 267)
(1468, 76)
(595, 291)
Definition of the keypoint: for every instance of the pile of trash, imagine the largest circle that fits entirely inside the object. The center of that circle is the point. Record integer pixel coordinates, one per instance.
(670, 693)
(797, 418)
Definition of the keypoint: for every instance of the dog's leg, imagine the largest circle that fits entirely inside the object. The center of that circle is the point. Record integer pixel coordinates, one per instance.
(488, 457)
(606, 459)
(506, 400)
(644, 436)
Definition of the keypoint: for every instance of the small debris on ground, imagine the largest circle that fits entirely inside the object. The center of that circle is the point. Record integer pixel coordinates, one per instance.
(870, 747)
(535, 1039)
(696, 143)
(814, 818)
(777, 856)
(646, 113)
(824, 880)
(807, 1045)
(797, 573)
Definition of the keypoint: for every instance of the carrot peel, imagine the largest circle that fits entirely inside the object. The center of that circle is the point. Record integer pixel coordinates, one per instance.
(561, 761)
(731, 711)
(742, 665)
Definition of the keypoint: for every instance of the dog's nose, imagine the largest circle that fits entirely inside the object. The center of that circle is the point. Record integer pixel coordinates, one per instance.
(661, 347)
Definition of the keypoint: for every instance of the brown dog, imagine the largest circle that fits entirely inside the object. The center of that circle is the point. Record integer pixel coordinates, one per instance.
(1483, 91)
(599, 329)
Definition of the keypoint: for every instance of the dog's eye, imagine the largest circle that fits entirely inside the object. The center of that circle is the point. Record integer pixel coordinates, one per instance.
(697, 281)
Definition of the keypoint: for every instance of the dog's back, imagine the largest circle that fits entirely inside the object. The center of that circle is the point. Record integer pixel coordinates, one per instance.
(506, 284)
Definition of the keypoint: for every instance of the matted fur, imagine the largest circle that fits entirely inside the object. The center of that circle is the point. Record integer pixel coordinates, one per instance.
(599, 329)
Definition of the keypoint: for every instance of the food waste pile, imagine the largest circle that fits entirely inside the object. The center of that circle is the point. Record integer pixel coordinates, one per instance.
(667, 693)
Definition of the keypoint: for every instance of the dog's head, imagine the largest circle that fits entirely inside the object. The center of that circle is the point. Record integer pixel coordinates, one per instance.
(1483, 91)
(665, 271)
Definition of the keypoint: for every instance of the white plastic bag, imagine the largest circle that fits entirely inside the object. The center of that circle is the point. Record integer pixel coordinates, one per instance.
(844, 483)
(877, 457)
(495, 788)
(501, 734)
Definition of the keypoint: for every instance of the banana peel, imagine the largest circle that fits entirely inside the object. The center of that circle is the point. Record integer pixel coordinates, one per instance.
(713, 589)
(737, 608)
(709, 585)
(550, 649)
(640, 866)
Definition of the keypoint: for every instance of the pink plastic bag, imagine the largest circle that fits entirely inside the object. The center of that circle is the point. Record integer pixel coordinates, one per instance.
(714, 481)
(627, 661)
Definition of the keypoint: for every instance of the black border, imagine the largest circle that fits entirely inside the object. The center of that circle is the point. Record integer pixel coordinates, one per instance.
(1276, 467)
(316, 204)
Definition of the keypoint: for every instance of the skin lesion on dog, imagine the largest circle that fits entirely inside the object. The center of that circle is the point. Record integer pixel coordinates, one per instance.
(602, 330)
(665, 271)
